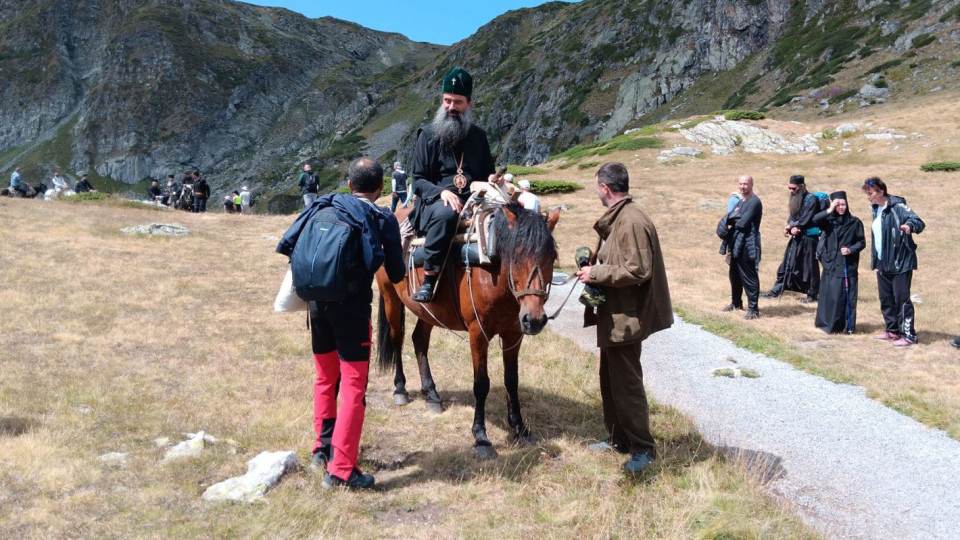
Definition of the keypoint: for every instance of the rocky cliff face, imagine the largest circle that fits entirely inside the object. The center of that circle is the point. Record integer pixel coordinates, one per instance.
(145, 88)
(135, 89)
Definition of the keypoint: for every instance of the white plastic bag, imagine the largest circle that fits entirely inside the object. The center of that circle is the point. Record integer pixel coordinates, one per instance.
(287, 299)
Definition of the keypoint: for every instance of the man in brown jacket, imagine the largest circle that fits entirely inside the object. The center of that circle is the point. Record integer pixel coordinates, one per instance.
(630, 271)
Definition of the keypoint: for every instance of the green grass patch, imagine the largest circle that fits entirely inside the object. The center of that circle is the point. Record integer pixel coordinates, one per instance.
(922, 40)
(883, 66)
(523, 170)
(87, 197)
(945, 166)
(588, 165)
(738, 114)
(553, 187)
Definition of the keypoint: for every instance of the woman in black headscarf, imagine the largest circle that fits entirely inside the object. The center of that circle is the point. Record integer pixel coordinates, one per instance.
(841, 242)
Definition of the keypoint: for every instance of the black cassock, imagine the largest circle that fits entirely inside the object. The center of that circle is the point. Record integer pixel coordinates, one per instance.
(837, 305)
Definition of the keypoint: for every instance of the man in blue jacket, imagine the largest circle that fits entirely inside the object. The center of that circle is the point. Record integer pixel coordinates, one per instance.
(341, 331)
(894, 257)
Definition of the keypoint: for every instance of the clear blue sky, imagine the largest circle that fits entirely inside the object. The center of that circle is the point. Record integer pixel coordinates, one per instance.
(433, 21)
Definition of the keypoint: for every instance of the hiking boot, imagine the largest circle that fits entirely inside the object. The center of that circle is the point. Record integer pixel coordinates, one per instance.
(809, 300)
(357, 480)
(731, 307)
(955, 342)
(751, 314)
(901, 343)
(886, 336)
(320, 458)
(606, 446)
(772, 293)
(638, 462)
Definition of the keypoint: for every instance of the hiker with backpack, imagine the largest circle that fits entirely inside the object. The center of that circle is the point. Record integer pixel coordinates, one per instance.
(309, 186)
(335, 247)
(799, 271)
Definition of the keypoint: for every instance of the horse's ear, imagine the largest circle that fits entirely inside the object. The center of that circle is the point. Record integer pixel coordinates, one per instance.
(511, 218)
(552, 219)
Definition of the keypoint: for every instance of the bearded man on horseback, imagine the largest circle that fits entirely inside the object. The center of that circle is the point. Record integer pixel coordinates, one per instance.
(451, 153)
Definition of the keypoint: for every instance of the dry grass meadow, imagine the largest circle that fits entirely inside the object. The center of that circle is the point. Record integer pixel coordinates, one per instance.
(111, 341)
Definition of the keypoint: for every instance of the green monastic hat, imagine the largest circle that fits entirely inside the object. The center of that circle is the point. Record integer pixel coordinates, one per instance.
(458, 81)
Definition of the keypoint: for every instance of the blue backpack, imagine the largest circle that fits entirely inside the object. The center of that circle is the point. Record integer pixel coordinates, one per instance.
(327, 261)
(823, 202)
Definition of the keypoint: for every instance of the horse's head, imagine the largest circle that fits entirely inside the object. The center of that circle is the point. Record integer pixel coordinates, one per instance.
(527, 252)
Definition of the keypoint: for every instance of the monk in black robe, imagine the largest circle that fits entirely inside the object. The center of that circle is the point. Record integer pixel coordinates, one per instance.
(841, 241)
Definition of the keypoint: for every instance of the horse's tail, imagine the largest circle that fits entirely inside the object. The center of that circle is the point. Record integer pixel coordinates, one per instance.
(388, 353)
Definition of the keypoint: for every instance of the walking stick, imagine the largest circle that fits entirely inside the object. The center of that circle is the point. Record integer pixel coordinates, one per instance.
(846, 292)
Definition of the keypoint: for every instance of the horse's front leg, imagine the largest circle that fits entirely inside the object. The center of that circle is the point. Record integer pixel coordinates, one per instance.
(481, 388)
(511, 341)
(421, 345)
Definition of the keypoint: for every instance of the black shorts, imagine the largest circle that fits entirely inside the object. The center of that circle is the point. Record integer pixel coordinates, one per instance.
(341, 328)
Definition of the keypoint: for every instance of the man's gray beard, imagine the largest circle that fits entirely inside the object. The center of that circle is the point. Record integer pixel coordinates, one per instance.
(450, 130)
(796, 203)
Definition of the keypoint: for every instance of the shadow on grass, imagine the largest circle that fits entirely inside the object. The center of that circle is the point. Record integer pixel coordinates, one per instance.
(16, 425)
(552, 419)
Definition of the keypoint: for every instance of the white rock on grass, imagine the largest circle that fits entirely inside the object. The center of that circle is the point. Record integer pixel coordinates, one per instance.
(263, 472)
(193, 446)
(114, 459)
(157, 228)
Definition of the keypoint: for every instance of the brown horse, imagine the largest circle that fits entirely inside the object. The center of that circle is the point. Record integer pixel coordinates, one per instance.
(505, 299)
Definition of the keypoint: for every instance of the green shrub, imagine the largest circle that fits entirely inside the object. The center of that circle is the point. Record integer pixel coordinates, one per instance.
(738, 114)
(922, 40)
(946, 166)
(521, 170)
(955, 64)
(588, 165)
(551, 187)
(829, 134)
(884, 66)
(86, 197)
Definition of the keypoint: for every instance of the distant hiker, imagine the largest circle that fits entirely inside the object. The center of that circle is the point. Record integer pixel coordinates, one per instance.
(172, 191)
(398, 184)
(59, 188)
(201, 192)
(741, 244)
(237, 201)
(894, 257)
(340, 331)
(83, 186)
(228, 207)
(153, 192)
(841, 241)
(799, 270)
(245, 200)
(527, 198)
(629, 268)
(309, 185)
(19, 186)
(451, 153)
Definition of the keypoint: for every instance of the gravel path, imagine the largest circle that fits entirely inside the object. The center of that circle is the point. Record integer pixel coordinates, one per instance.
(851, 467)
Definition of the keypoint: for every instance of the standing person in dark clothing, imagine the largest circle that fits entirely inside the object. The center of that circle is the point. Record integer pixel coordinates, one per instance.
(841, 241)
(799, 270)
(83, 186)
(201, 192)
(451, 153)
(153, 192)
(743, 248)
(309, 186)
(172, 192)
(894, 257)
(398, 184)
(341, 331)
(630, 271)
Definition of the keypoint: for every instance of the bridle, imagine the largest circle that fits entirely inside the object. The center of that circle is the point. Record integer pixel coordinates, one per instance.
(536, 272)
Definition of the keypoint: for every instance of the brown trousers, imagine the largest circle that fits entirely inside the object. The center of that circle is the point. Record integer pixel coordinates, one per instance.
(626, 414)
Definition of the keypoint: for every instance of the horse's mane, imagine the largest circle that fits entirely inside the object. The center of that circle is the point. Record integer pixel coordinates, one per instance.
(530, 238)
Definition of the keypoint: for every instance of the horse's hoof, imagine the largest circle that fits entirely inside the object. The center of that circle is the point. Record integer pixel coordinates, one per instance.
(434, 407)
(401, 399)
(484, 452)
